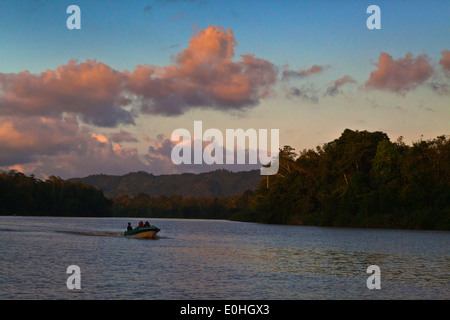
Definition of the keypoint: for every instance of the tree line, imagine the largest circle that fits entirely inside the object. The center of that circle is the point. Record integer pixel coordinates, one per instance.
(29, 196)
(143, 205)
(361, 179)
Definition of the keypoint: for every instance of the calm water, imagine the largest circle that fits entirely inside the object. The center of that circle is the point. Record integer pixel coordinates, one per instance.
(198, 259)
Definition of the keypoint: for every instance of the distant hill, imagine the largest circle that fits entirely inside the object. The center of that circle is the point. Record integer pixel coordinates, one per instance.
(217, 183)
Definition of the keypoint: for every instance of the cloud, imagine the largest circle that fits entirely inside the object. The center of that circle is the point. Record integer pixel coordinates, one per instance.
(333, 89)
(92, 158)
(91, 89)
(48, 146)
(305, 93)
(445, 61)
(23, 139)
(159, 156)
(401, 75)
(100, 138)
(439, 87)
(43, 116)
(204, 75)
(45, 146)
(122, 136)
(160, 147)
(315, 69)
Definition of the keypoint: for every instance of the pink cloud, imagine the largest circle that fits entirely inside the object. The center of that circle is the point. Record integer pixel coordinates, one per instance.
(22, 140)
(315, 69)
(50, 146)
(204, 75)
(445, 61)
(122, 136)
(46, 146)
(60, 146)
(400, 75)
(333, 89)
(90, 89)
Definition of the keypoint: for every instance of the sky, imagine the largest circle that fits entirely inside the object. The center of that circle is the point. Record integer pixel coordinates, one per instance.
(106, 98)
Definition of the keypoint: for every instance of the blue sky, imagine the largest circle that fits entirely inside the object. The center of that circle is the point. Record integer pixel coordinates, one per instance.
(124, 34)
(291, 35)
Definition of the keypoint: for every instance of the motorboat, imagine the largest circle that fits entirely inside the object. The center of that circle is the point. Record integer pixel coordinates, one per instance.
(142, 233)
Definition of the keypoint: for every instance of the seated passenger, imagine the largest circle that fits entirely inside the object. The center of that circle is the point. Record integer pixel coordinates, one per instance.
(141, 224)
(147, 224)
(129, 228)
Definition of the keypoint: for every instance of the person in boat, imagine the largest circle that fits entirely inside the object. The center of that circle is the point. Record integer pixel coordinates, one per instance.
(129, 228)
(146, 224)
(141, 224)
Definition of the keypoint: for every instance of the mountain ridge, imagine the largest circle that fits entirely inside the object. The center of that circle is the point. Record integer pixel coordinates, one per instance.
(218, 183)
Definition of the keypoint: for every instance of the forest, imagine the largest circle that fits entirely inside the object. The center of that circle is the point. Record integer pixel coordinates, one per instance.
(28, 196)
(361, 179)
(218, 183)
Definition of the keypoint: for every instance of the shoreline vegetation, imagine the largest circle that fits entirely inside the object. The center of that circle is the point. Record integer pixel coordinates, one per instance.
(361, 179)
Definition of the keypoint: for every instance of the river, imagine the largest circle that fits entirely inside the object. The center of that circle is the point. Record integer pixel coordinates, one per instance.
(212, 259)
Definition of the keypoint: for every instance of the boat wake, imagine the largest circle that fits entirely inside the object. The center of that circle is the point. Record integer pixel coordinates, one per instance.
(8, 230)
(92, 233)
